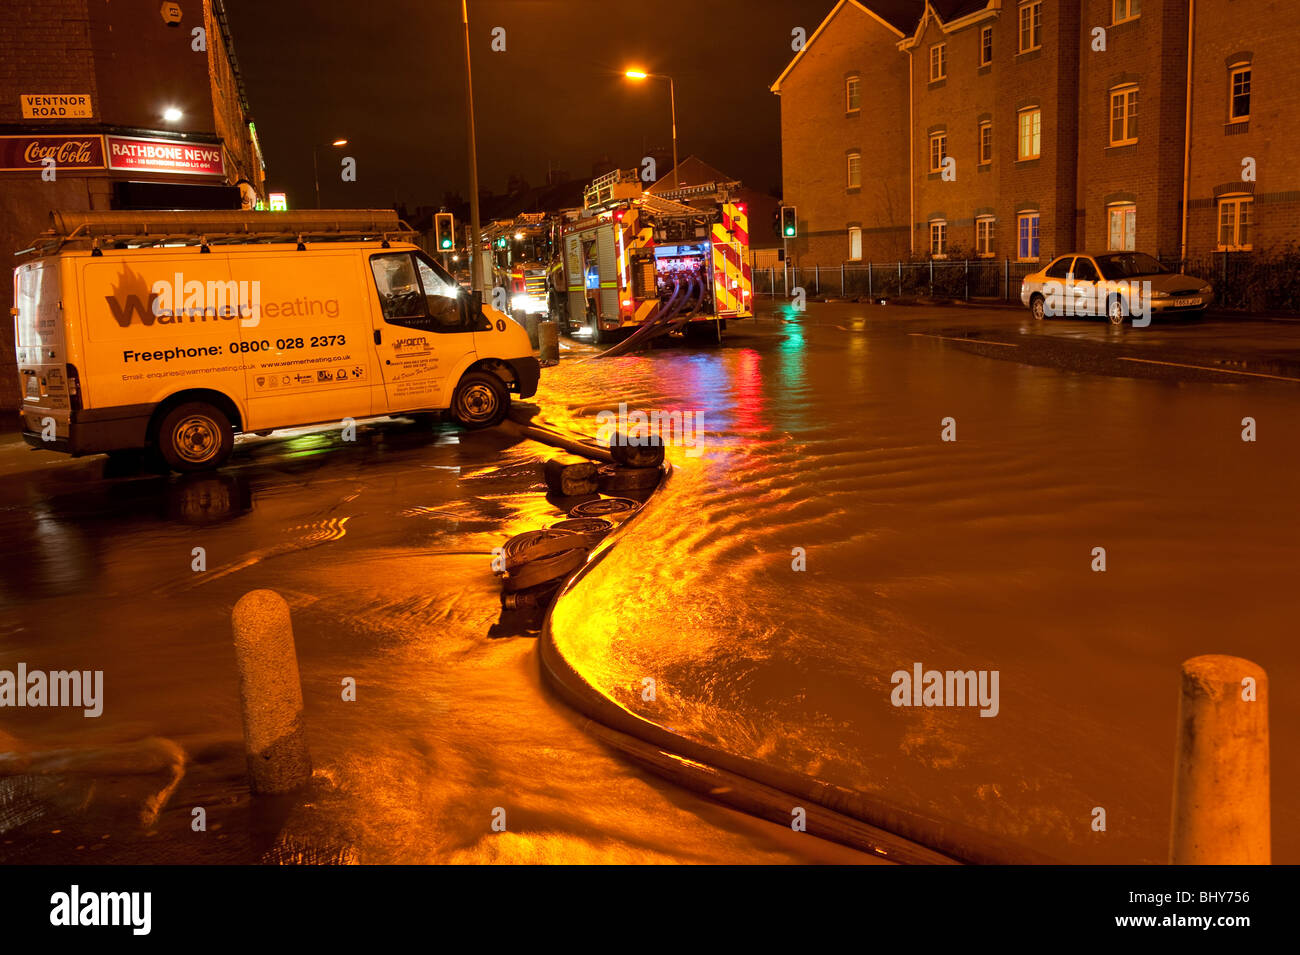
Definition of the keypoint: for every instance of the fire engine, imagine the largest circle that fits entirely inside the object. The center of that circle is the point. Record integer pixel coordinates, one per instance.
(630, 259)
(520, 250)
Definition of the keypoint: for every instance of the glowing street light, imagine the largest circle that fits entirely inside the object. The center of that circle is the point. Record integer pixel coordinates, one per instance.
(672, 99)
(315, 165)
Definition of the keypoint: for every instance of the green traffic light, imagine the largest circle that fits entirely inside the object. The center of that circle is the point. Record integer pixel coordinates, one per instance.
(446, 243)
(789, 230)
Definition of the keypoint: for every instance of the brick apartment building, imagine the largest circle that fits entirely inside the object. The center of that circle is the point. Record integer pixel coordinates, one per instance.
(1021, 129)
(140, 106)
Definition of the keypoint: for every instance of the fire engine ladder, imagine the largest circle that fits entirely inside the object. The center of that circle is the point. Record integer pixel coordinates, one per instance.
(135, 229)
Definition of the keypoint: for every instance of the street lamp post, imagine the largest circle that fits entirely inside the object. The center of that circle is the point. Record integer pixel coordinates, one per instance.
(315, 164)
(672, 100)
(475, 234)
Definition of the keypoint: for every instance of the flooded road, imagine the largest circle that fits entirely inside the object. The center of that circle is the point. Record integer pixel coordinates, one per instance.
(382, 549)
(821, 437)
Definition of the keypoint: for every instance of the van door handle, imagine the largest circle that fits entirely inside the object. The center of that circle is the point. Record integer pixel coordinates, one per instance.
(379, 338)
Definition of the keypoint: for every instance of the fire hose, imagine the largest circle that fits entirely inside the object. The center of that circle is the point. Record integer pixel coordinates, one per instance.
(538, 557)
(655, 324)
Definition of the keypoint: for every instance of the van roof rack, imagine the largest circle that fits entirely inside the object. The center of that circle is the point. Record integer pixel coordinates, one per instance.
(134, 229)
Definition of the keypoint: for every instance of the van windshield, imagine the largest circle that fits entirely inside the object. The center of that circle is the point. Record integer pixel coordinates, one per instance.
(440, 281)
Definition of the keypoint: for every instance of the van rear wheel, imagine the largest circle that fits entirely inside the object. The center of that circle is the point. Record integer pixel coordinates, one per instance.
(481, 400)
(195, 436)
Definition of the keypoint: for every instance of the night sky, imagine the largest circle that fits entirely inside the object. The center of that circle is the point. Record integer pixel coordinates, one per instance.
(389, 76)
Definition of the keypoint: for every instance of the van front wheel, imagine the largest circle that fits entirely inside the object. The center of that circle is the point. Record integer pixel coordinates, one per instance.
(195, 436)
(481, 400)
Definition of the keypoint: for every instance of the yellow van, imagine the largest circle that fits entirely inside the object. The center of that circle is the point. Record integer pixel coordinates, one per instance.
(176, 331)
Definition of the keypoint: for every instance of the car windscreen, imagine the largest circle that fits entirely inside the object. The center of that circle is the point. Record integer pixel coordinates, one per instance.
(1125, 265)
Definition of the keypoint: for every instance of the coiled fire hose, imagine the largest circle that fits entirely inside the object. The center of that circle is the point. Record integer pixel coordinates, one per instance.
(536, 557)
(617, 508)
(593, 529)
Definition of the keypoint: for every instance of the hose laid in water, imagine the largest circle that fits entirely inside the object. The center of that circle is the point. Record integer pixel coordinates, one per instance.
(535, 557)
(658, 320)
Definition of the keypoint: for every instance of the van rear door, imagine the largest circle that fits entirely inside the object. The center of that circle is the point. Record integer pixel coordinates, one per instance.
(41, 349)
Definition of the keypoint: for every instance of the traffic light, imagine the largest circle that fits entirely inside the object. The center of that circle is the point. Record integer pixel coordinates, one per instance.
(788, 227)
(444, 228)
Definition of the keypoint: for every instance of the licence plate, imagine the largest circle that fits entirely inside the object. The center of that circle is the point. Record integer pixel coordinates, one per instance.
(1184, 302)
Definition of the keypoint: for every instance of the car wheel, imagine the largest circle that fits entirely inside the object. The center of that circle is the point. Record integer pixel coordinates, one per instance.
(1038, 306)
(1116, 310)
(195, 436)
(481, 400)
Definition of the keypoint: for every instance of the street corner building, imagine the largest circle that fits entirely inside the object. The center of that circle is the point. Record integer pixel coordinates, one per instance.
(1022, 129)
(111, 105)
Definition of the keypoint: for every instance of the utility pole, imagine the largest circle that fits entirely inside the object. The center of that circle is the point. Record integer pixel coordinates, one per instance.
(475, 233)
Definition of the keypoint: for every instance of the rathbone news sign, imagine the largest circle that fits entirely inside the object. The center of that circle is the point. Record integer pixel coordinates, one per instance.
(164, 155)
(67, 152)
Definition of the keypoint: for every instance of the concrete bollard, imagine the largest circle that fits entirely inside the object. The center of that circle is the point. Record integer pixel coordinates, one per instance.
(531, 321)
(270, 694)
(548, 336)
(1221, 786)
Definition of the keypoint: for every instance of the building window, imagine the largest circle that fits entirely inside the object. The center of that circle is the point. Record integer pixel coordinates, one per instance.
(855, 171)
(1031, 133)
(855, 244)
(938, 61)
(1124, 116)
(938, 238)
(1125, 10)
(1235, 220)
(984, 236)
(938, 151)
(1239, 93)
(986, 46)
(1123, 227)
(986, 143)
(1028, 249)
(852, 94)
(1031, 26)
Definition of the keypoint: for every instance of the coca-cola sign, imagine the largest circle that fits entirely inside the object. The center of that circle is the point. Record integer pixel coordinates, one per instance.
(165, 155)
(67, 152)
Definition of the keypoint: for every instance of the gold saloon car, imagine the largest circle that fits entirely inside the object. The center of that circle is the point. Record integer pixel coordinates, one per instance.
(1117, 285)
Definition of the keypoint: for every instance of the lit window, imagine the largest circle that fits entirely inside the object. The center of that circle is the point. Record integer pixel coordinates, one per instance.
(986, 46)
(1031, 133)
(1031, 26)
(1239, 93)
(984, 236)
(938, 61)
(852, 94)
(986, 143)
(1123, 227)
(1125, 10)
(938, 151)
(1124, 116)
(855, 171)
(855, 244)
(1235, 220)
(1028, 248)
(938, 238)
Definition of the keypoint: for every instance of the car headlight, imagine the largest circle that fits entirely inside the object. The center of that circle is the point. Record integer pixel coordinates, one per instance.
(1208, 290)
(1160, 295)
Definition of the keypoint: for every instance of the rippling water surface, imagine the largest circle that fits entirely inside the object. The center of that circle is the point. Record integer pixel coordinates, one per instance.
(974, 554)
